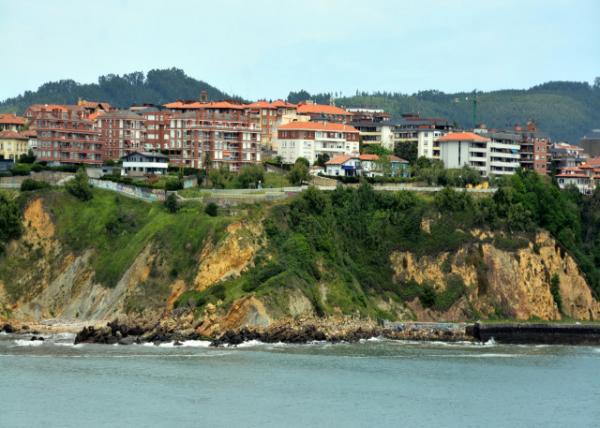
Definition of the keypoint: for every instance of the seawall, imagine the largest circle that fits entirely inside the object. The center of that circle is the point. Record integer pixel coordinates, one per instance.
(530, 333)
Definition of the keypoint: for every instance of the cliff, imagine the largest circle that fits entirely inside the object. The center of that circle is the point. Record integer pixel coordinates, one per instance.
(113, 258)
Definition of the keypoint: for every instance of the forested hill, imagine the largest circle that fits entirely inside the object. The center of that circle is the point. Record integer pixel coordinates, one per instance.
(563, 110)
(157, 87)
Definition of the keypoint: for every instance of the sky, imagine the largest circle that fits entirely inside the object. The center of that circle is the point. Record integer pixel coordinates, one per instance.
(265, 48)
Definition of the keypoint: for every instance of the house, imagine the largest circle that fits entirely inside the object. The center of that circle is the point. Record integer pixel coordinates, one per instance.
(534, 148)
(372, 166)
(311, 140)
(144, 163)
(11, 122)
(13, 144)
(343, 166)
(583, 179)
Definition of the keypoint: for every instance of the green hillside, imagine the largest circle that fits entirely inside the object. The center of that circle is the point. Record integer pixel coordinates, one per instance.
(156, 87)
(563, 110)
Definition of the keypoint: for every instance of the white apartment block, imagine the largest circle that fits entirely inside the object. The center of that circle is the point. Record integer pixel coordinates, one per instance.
(493, 154)
(428, 143)
(311, 139)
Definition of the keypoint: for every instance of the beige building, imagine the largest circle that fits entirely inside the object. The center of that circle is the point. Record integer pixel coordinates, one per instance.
(13, 145)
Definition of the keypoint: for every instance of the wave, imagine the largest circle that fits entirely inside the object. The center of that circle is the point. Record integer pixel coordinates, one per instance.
(24, 342)
(184, 344)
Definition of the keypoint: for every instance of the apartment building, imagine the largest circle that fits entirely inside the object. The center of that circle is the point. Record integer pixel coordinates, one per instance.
(11, 122)
(156, 126)
(268, 116)
(428, 144)
(563, 155)
(490, 153)
(324, 113)
(311, 139)
(65, 134)
(215, 134)
(374, 126)
(421, 132)
(121, 132)
(534, 148)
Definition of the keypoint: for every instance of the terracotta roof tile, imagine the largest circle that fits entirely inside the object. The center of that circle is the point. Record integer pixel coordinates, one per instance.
(12, 119)
(463, 136)
(322, 109)
(318, 126)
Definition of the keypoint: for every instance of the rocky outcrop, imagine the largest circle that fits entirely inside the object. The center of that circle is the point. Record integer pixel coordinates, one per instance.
(501, 283)
(229, 257)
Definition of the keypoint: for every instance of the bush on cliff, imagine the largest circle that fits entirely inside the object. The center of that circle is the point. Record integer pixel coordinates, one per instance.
(10, 220)
(79, 186)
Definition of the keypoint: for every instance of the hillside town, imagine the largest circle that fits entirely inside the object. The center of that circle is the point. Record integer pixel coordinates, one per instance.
(337, 142)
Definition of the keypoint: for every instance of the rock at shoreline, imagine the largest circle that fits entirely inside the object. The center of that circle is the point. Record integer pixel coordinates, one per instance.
(112, 333)
(7, 328)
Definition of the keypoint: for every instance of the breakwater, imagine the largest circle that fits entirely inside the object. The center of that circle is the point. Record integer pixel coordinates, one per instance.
(537, 333)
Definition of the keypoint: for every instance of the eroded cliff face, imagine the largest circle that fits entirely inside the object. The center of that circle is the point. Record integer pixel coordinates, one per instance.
(50, 282)
(500, 283)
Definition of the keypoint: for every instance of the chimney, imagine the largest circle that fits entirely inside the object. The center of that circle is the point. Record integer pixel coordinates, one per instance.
(204, 96)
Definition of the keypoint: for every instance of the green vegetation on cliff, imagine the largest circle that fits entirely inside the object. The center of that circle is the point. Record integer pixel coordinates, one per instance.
(333, 247)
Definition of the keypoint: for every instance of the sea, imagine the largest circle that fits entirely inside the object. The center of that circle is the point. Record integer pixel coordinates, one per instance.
(374, 383)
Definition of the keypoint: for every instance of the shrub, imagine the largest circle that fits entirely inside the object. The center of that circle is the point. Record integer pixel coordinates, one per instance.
(212, 209)
(249, 176)
(10, 220)
(30, 184)
(173, 185)
(79, 186)
(171, 203)
(555, 290)
(299, 172)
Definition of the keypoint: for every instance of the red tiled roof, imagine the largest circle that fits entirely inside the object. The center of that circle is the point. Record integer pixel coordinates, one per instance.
(590, 163)
(340, 159)
(463, 136)
(368, 157)
(281, 103)
(29, 133)
(12, 135)
(318, 126)
(394, 158)
(182, 105)
(572, 175)
(321, 109)
(261, 104)
(12, 119)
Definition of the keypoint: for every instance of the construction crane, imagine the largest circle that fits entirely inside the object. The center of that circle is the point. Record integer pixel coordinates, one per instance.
(474, 101)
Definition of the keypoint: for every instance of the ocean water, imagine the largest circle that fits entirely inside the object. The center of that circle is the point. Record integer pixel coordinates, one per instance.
(375, 383)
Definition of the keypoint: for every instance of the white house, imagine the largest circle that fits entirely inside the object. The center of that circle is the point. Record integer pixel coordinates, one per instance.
(343, 166)
(144, 163)
(311, 139)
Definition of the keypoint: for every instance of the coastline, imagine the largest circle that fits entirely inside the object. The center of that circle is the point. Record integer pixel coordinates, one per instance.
(323, 330)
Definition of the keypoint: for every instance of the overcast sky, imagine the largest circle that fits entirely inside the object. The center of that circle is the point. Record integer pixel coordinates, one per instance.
(264, 49)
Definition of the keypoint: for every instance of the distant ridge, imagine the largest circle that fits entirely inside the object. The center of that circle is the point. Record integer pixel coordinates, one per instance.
(156, 87)
(563, 110)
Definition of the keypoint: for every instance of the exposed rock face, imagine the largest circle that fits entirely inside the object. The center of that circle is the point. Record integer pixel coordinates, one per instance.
(502, 283)
(230, 257)
(54, 283)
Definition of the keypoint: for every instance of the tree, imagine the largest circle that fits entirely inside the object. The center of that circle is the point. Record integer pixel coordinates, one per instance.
(30, 184)
(249, 176)
(79, 186)
(303, 161)
(299, 172)
(10, 220)
(597, 83)
(28, 157)
(406, 151)
(171, 203)
(212, 209)
(322, 159)
(219, 177)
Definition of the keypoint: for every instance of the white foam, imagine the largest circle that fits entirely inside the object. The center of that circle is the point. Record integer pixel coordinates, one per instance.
(248, 344)
(22, 342)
